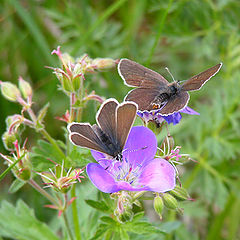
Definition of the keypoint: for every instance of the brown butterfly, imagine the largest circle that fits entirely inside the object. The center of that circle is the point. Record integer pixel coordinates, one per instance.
(109, 135)
(155, 92)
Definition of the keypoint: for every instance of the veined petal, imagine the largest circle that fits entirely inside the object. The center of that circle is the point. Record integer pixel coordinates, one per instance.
(158, 176)
(101, 158)
(141, 146)
(101, 178)
(104, 181)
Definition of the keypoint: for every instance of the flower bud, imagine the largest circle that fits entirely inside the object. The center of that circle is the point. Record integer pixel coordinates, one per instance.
(126, 216)
(76, 83)
(8, 140)
(42, 113)
(158, 205)
(180, 193)
(10, 91)
(25, 88)
(23, 168)
(103, 63)
(66, 84)
(170, 201)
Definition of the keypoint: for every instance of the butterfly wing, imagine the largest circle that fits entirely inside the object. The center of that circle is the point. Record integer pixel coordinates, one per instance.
(126, 114)
(82, 134)
(197, 81)
(143, 97)
(136, 75)
(176, 103)
(107, 119)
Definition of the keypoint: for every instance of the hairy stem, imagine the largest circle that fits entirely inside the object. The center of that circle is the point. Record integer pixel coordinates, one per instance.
(53, 142)
(75, 214)
(43, 192)
(67, 225)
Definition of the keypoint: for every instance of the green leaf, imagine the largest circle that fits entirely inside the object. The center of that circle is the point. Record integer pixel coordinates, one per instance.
(101, 206)
(16, 185)
(20, 223)
(169, 227)
(138, 216)
(106, 198)
(79, 157)
(34, 29)
(42, 154)
(108, 220)
(101, 230)
(142, 228)
(123, 234)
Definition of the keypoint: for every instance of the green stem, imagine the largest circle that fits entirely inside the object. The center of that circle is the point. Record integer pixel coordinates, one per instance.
(75, 214)
(43, 192)
(46, 134)
(80, 96)
(10, 167)
(53, 142)
(67, 225)
(72, 101)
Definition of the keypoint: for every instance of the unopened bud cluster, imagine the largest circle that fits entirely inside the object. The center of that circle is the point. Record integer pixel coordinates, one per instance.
(60, 180)
(23, 169)
(170, 200)
(16, 94)
(124, 211)
(71, 75)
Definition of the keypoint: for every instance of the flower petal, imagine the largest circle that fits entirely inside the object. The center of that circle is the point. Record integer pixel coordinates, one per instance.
(104, 181)
(173, 118)
(141, 146)
(190, 111)
(100, 178)
(158, 176)
(101, 158)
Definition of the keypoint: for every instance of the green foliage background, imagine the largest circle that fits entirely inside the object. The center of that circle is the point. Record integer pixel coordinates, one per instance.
(188, 36)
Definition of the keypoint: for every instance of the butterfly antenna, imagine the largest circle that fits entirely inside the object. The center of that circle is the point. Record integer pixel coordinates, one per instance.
(170, 73)
(134, 150)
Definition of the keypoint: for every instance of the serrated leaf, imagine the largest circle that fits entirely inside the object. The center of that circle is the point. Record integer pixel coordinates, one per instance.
(19, 222)
(42, 154)
(106, 198)
(79, 157)
(101, 206)
(16, 185)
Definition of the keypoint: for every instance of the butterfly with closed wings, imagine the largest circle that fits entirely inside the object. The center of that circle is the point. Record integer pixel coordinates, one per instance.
(154, 92)
(109, 135)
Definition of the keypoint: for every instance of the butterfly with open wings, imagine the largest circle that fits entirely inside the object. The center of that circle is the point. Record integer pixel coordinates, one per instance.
(154, 92)
(109, 135)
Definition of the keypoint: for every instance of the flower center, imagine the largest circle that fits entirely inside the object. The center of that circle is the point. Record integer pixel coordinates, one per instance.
(124, 171)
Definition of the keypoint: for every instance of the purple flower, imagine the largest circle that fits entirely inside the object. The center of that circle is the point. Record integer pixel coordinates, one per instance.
(138, 171)
(172, 118)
